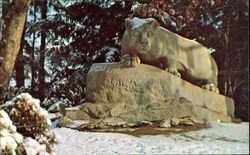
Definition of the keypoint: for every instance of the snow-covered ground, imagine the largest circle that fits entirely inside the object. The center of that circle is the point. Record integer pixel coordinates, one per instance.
(221, 138)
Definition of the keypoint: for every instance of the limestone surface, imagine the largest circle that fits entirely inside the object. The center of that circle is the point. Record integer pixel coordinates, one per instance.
(119, 96)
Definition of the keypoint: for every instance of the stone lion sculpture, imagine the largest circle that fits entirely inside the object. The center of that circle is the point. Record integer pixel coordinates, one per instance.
(144, 40)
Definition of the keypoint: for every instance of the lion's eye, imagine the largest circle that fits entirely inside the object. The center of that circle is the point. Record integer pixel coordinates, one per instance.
(135, 33)
(149, 33)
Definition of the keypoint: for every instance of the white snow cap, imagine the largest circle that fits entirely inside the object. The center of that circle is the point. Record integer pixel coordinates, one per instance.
(32, 147)
(18, 137)
(137, 22)
(56, 106)
(5, 121)
(25, 96)
(7, 142)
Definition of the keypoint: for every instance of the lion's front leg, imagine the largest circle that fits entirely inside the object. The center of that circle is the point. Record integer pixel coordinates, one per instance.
(130, 61)
(169, 64)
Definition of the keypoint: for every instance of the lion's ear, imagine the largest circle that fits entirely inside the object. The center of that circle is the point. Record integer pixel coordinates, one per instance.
(128, 24)
(154, 24)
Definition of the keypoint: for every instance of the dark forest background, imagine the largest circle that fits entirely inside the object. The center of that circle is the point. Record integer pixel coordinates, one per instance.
(62, 38)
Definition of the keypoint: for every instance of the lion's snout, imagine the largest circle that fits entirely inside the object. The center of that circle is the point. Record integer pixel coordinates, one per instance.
(144, 42)
(143, 46)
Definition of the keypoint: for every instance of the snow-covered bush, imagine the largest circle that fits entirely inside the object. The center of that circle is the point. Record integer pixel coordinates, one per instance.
(31, 121)
(11, 142)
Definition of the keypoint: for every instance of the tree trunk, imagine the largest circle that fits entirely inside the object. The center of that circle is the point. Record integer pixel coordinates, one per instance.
(1, 18)
(19, 65)
(33, 66)
(10, 44)
(42, 50)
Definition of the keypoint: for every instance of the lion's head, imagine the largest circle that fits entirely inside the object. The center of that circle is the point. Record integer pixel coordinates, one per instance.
(141, 34)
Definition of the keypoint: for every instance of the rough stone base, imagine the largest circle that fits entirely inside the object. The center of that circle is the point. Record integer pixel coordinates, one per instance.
(121, 96)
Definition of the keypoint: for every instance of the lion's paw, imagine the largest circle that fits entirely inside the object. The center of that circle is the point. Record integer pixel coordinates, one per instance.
(174, 72)
(129, 61)
(211, 87)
